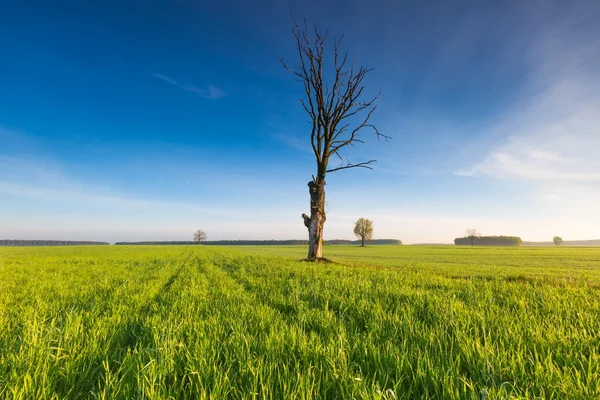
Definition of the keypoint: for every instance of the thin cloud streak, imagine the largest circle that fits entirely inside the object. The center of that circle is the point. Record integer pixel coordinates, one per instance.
(210, 92)
(38, 179)
(68, 195)
(294, 142)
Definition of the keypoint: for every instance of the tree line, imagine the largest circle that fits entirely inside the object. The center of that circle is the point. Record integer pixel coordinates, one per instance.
(6, 242)
(489, 241)
(291, 242)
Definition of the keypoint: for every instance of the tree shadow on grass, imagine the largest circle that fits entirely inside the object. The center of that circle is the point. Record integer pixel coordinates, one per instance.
(321, 260)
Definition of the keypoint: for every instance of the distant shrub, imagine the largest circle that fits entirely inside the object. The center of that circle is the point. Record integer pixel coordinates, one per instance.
(511, 241)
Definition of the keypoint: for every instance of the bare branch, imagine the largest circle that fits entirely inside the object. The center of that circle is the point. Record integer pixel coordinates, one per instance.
(366, 164)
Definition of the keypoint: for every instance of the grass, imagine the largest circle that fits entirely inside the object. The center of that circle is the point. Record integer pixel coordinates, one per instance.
(193, 322)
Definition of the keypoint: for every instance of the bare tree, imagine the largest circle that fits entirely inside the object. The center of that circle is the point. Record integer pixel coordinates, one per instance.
(363, 229)
(472, 234)
(199, 236)
(338, 113)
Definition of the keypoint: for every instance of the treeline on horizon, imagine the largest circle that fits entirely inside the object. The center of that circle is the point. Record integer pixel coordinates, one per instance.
(6, 242)
(464, 241)
(581, 243)
(290, 242)
(513, 241)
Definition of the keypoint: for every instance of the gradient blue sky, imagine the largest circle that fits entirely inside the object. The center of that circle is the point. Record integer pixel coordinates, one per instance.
(147, 120)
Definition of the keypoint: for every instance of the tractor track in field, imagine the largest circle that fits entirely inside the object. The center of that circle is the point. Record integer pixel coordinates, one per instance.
(158, 298)
(221, 276)
(291, 314)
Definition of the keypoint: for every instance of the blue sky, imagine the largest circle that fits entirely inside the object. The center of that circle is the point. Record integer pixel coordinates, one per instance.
(147, 120)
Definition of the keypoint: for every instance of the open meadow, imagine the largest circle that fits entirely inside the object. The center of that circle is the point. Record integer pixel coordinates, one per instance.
(381, 322)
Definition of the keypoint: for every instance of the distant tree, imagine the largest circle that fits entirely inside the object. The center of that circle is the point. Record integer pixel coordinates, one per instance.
(472, 234)
(199, 236)
(363, 229)
(338, 109)
(557, 240)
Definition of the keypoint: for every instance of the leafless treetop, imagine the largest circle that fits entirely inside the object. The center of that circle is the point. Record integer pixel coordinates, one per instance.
(333, 95)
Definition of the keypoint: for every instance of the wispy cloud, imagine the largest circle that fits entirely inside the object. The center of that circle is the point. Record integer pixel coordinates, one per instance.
(552, 135)
(209, 92)
(36, 179)
(294, 142)
(88, 195)
(7, 134)
(549, 197)
(14, 140)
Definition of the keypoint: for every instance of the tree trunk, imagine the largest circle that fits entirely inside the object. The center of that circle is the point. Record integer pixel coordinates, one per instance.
(363, 241)
(317, 219)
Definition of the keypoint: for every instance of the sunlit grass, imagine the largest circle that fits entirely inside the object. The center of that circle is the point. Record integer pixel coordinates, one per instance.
(384, 322)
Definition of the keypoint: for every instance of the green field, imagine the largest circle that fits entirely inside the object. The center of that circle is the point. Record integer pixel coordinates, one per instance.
(385, 322)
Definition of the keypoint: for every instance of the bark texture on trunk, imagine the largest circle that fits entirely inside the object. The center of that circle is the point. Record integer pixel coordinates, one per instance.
(317, 219)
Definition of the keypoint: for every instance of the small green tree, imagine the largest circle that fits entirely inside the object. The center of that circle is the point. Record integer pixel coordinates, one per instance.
(363, 229)
(557, 240)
